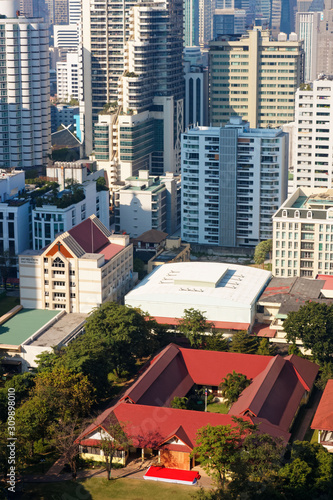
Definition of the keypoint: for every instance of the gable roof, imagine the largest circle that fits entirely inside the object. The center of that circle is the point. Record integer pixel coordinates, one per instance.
(210, 367)
(89, 236)
(323, 419)
(64, 138)
(151, 427)
(276, 393)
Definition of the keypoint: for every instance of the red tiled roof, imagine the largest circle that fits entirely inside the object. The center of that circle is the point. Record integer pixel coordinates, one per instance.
(210, 367)
(89, 236)
(151, 426)
(263, 330)
(323, 419)
(224, 325)
(110, 250)
(276, 393)
(328, 281)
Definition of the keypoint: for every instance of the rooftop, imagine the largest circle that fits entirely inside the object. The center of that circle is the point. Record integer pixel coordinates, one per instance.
(24, 324)
(201, 283)
(60, 330)
(323, 419)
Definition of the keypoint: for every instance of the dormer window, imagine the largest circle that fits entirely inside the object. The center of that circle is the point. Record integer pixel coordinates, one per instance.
(284, 213)
(297, 214)
(309, 214)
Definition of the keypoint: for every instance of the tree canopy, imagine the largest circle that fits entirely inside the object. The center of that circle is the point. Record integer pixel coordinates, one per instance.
(241, 341)
(193, 325)
(233, 385)
(313, 325)
(261, 251)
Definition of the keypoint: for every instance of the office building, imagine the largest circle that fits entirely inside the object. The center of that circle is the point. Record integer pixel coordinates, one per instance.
(74, 11)
(68, 77)
(233, 180)
(34, 8)
(307, 29)
(313, 160)
(206, 10)
(228, 22)
(255, 77)
(81, 269)
(196, 94)
(58, 11)
(303, 234)
(25, 90)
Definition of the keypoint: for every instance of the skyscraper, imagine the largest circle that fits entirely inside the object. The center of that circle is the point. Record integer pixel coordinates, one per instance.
(25, 92)
(138, 70)
(307, 29)
(191, 19)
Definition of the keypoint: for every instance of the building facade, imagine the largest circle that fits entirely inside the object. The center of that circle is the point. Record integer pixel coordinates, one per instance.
(68, 77)
(146, 202)
(313, 160)
(307, 29)
(233, 178)
(255, 77)
(79, 270)
(303, 234)
(50, 219)
(25, 92)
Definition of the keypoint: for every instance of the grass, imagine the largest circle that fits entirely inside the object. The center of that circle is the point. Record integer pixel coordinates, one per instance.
(101, 489)
(218, 408)
(7, 303)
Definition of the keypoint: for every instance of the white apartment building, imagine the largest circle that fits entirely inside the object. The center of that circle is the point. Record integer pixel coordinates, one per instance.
(15, 213)
(303, 234)
(79, 270)
(50, 219)
(313, 152)
(66, 36)
(24, 90)
(140, 205)
(68, 77)
(307, 29)
(233, 180)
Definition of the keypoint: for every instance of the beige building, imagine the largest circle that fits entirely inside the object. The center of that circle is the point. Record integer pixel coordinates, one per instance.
(303, 234)
(255, 77)
(79, 270)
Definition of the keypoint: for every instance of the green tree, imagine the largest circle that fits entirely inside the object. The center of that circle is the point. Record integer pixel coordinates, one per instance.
(32, 420)
(180, 403)
(244, 343)
(325, 373)
(22, 383)
(139, 267)
(266, 348)
(233, 385)
(313, 325)
(69, 395)
(217, 449)
(261, 251)
(126, 334)
(113, 440)
(215, 342)
(194, 325)
(101, 184)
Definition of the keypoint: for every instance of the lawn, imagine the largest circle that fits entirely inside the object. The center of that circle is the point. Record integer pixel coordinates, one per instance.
(218, 408)
(101, 489)
(7, 303)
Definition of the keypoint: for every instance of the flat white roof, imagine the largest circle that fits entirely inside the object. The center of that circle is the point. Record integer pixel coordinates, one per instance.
(201, 284)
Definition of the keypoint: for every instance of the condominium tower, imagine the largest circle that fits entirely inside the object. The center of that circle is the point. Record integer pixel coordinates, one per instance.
(313, 152)
(139, 77)
(256, 77)
(233, 180)
(24, 94)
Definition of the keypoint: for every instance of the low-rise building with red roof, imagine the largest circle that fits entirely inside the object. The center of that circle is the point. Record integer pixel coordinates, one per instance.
(79, 270)
(323, 419)
(278, 387)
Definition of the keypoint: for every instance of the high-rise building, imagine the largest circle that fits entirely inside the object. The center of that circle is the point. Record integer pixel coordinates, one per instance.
(313, 152)
(58, 11)
(307, 29)
(303, 234)
(206, 11)
(25, 90)
(191, 19)
(68, 77)
(256, 77)
(325, 41)
(34, 8)
(233, 180)
(74, 11)
(228, 22)
(140, 79)
(66, 37)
